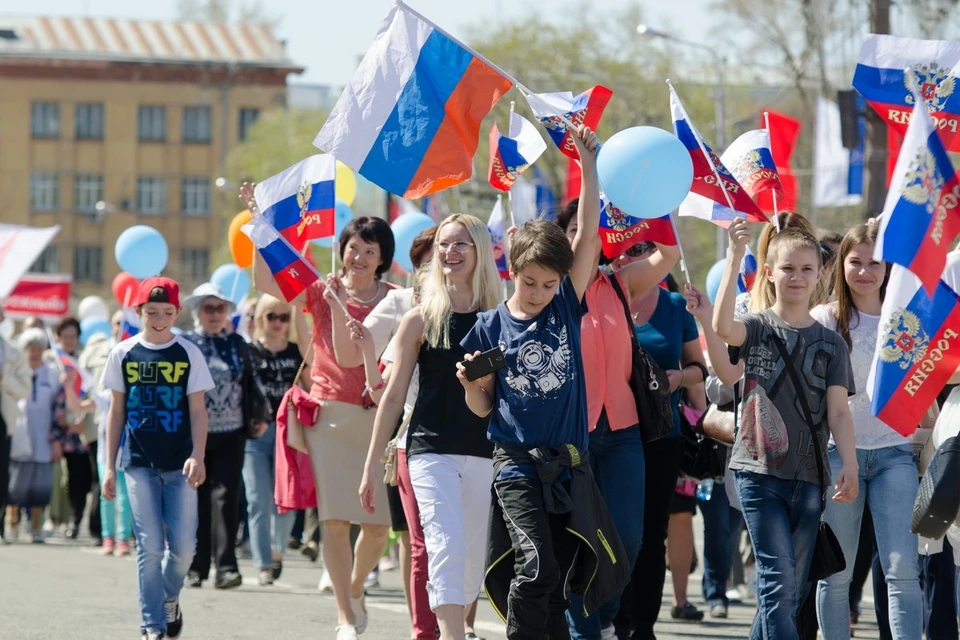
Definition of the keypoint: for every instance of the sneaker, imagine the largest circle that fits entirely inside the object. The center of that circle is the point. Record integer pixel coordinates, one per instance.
(36, 537)
(686, 611)
(360, 614)
(265, 577)
(607, 633)
(277, 569)
(719, 610)
(228, 580)
(472, 636)
(123, 548)
(72, 532)
(388, 564)
(346, 632)
(194, 580)
(108, 546)
(151, 635)
(373, 580)
(325, 585)
(174, 618)
(11, 533)
(736, 594)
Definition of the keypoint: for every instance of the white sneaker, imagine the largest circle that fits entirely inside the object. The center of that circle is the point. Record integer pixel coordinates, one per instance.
(325, 585)
(608, 633)
(11, 533)
(360, 613)
(346, 632)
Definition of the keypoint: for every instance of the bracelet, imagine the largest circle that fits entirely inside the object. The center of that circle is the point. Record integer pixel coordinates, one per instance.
(380, 385)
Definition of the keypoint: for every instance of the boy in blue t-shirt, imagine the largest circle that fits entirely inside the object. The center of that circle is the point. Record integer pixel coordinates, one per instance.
(539, 398)
(158, 423)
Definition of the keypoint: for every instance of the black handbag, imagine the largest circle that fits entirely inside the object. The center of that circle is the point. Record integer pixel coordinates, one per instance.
(701, 457)
(938, 498)
(650, 385)
(827, 555)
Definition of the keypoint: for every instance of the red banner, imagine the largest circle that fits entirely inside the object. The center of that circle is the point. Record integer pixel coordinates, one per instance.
(40, 295)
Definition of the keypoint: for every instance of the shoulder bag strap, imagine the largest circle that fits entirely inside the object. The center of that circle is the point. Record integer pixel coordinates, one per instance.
(808, 416)
(626, 310)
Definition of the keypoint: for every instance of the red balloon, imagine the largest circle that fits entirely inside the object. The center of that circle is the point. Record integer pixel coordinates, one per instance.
(125, 288)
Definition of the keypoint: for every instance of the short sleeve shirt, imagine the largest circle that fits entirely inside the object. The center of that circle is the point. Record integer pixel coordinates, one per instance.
(156, 380)
(541, 398)
(773, 437)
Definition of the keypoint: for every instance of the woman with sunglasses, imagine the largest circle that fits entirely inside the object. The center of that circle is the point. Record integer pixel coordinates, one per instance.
(237, 410)
(276, 359)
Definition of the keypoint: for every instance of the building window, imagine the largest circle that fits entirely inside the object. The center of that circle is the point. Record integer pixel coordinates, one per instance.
(44, 191)
(247, 119)
(45, 120)
(89, 120)
(48, 261)
(196, 124)
(152, 124)
(195, 196)
(196, 264)
(151, 194)
(89, 191)
(88, 264)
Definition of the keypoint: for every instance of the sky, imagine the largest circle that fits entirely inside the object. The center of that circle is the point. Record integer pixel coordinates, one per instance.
(328, 36)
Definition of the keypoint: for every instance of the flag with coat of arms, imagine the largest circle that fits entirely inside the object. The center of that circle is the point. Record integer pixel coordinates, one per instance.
(299, 202)
(552, 108)
(511, 154)
(619, 231)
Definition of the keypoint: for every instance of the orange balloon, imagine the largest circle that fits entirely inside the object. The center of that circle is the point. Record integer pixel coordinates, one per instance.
(241, 249)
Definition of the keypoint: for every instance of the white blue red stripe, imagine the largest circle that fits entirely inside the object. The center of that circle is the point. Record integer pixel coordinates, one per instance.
(130, 325)
(292, 273)
(750, 160)
(300, 200)
(510, 155)
(748, 272)
(552, 108)
(495, 226)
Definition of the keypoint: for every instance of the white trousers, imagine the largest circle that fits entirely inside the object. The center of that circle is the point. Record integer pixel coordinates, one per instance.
(453, 495)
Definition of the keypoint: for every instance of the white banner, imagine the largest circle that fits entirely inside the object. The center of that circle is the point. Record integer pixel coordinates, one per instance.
(831, 161)
(20, 246)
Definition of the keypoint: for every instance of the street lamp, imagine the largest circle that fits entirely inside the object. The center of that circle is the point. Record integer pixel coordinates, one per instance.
(645, 31)
(224, 184)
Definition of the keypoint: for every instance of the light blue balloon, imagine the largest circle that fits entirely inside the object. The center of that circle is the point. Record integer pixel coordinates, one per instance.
(405, 229)
(233, 281)
(713, 279)
(645, 171)
(342, 215)
(141, 251)
(90, 327)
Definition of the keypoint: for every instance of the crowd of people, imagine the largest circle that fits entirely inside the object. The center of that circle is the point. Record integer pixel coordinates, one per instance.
(501, 441)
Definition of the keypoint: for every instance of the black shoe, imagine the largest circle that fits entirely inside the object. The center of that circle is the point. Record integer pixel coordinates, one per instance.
(719, 610)
(277, 569)
(71, 533)
(194, 580)
(174, 618)
(686, 612)
(228, 580)
(311, 551)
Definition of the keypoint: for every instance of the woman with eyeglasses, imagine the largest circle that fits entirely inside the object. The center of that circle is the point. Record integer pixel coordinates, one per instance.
(236, 410)
(276, 359)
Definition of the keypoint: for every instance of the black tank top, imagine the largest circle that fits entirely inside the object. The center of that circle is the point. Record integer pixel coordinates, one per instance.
(442, 422)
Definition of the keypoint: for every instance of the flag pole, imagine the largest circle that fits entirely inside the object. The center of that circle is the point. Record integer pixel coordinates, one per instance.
(683, 259)
(508, 216)
(126, 303)
(773, 192)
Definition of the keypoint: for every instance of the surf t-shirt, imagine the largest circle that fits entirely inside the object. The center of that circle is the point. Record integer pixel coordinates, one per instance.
(156, 380)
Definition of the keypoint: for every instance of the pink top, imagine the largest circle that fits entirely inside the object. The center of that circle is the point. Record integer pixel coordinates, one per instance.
(330, 380)
(607, 356)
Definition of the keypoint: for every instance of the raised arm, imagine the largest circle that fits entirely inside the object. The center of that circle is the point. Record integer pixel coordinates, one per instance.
(643, 275)
(345, 350)
(731, 331)
(699, 305)
(588, 213)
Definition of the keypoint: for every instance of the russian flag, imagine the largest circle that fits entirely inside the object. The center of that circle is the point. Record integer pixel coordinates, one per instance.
(784, 133)
(748, 272)
(84, 382)
(510, 155)
(707, 190)
(130, 325)
(291, 271)
(299, 201)
(881, 79)
(619, 232)
(495, 226)
(921, 217)
(409, 119)
(918, 347)
(750, 160)
(587, 109)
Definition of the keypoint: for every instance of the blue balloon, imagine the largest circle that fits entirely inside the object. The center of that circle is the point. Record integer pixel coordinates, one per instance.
(405, 229)
(342, 215)
(233, 281)
(141, 251)
(90, 327)
(713, 279)
(645, 171)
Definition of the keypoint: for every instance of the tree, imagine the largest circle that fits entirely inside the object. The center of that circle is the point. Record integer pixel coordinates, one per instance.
(932, 16)
(247, 12)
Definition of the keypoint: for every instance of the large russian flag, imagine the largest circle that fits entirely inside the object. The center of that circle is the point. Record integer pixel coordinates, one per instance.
(880, 77)
(409, 119)
(292, 273)
(511, 154)
(299, 201)
(619, 232)
(921, 217)
(586, 109)
(918, 347)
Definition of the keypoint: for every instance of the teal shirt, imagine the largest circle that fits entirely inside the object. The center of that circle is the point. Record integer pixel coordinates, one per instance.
(670, 326)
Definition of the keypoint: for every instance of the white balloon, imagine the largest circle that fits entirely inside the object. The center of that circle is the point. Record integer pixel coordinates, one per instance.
(6, 328)
(93, 307)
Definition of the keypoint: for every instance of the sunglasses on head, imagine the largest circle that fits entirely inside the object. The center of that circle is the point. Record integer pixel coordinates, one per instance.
(282, 317)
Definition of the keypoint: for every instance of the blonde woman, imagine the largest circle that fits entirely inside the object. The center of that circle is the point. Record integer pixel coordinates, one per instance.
(276, 359)
(448, 454)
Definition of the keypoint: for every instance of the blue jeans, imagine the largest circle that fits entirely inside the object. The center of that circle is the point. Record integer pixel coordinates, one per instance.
(888, 483)
(164, 510)
(616, 458)
(717, 558)
(268, 529)
(782, 517)
(110, 510)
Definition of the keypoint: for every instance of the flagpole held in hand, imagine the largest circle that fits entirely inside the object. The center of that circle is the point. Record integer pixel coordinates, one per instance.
(508, 216)
(773, 192)
(683, 259)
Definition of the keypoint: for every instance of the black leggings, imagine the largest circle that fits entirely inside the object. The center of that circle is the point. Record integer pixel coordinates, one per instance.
(219, 504)
(79, 483)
